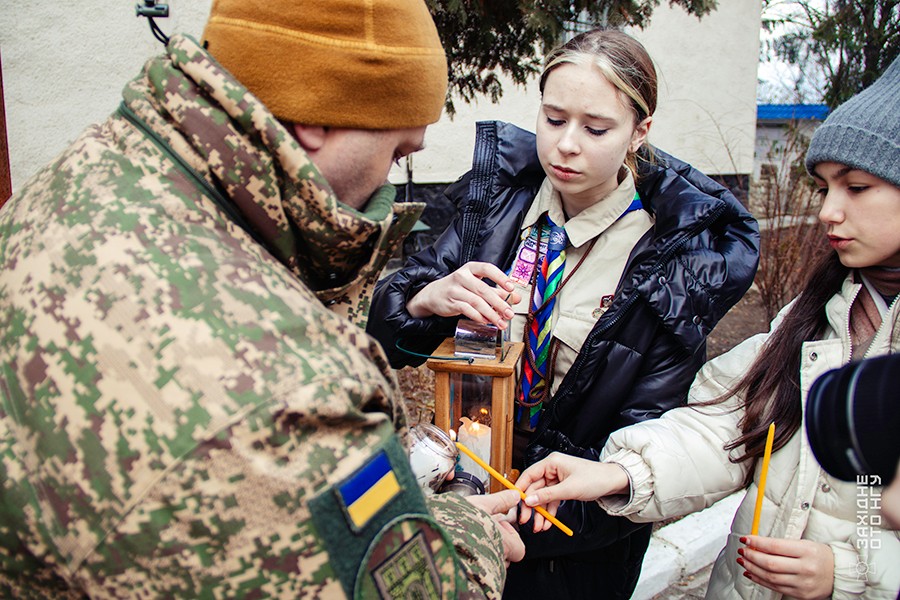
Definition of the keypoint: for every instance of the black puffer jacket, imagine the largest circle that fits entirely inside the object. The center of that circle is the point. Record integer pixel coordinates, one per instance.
(642, 354)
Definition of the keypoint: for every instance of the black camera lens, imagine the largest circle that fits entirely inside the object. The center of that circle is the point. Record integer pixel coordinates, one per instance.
(853, 419)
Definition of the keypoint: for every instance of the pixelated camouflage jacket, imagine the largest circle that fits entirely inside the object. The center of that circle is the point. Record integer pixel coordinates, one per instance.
(187, 411)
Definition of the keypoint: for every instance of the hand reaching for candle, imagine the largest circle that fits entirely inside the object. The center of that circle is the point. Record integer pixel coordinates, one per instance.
(499, 506)
(562, 477)
(464, 292)
(796, 568)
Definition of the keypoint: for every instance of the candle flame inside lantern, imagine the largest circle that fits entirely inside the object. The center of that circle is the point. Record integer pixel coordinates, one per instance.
(477, 438)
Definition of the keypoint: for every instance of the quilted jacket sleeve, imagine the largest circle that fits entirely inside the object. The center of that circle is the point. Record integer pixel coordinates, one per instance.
(677, 463)
(392, 325)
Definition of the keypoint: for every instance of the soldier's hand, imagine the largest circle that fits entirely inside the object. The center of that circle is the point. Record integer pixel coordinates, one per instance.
(464, 292)
(500, 506)
(513, 546)
(499, 503)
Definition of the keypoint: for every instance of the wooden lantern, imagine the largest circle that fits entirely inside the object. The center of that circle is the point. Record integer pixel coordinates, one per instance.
(451, 405)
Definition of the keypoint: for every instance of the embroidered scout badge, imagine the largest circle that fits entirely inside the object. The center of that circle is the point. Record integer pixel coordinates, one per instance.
(380, 538)
(527, 255)
(605, 303)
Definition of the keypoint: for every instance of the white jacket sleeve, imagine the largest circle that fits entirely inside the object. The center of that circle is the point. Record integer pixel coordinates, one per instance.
(677, 464)
(847, 580)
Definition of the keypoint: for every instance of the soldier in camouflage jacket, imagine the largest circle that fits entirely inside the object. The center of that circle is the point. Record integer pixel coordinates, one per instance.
(189, 406)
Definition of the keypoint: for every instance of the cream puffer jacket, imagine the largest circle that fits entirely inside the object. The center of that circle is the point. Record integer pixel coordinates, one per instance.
(677, 466)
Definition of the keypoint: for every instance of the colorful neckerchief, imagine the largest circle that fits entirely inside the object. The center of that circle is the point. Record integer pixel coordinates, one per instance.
(538, 358)
(543, 298)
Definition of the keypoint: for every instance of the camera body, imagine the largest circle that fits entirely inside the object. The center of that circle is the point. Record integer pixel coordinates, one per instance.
(853, 419)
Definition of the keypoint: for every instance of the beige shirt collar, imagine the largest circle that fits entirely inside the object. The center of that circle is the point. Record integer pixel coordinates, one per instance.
(590, 222)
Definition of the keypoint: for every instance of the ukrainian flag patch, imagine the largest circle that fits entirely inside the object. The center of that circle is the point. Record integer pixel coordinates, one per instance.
(352, 515)
(369, 490)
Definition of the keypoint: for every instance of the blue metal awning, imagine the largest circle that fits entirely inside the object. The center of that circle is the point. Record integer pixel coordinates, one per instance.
(789, 112)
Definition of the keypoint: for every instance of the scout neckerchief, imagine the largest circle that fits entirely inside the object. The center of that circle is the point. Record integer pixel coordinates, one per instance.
(540, 347)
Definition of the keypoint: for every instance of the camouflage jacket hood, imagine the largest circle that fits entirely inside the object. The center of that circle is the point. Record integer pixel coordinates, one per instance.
(207, 121)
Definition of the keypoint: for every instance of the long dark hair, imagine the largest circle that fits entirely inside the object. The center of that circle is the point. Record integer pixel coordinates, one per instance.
(772, 388)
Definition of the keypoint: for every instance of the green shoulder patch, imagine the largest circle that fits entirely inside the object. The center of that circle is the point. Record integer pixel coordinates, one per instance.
(379, 535)
(410, 558)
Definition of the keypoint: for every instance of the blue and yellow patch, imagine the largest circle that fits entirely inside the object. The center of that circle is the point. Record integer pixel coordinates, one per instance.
(369, 490)
(379, 536)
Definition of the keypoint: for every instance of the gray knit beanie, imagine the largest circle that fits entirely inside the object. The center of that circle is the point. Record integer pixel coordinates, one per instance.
(864, 131)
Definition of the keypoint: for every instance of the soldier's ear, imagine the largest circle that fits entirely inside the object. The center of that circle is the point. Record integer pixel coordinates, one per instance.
(311, 137)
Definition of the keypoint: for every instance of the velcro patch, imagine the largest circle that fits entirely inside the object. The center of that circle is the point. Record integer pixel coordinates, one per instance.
(369, 490)
(410, 558)
(354, 520)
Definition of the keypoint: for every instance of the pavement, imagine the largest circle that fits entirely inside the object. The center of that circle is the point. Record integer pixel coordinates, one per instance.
(680, 557)
(692, 587)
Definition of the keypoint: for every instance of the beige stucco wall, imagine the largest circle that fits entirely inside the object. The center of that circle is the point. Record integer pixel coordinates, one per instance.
(708, 70)
(64, 65)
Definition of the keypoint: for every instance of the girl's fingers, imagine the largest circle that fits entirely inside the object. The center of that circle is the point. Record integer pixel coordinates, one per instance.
(492, 272)
(772, 545)
(770, 563)
(797, 568)
(497, 297)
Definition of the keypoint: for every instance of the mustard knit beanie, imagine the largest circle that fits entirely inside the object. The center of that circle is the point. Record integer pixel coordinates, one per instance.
(358, 64)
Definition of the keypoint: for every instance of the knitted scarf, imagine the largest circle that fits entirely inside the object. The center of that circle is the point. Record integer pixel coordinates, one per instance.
(865, 319)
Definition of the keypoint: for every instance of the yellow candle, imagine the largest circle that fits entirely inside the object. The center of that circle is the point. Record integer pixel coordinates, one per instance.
(540, 509)
(761, 488)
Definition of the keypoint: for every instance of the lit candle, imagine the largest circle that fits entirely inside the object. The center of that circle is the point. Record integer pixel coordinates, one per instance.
(477, 437)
